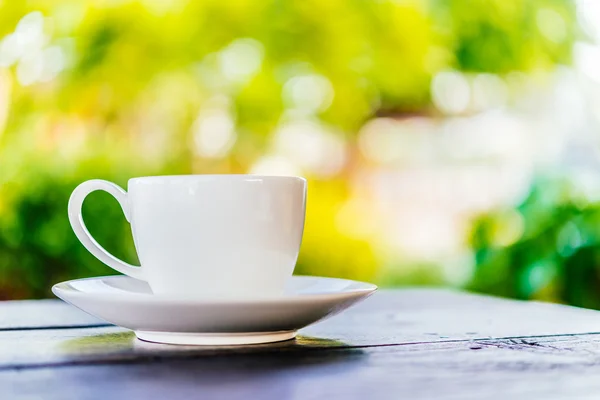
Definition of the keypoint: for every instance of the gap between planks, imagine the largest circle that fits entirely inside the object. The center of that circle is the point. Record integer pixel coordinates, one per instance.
(520, 343)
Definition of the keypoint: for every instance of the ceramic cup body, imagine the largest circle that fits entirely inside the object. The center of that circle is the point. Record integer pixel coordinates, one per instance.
(207, 236)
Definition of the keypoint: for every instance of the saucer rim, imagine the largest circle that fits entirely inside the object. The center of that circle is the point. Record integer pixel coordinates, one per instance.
(63, 289)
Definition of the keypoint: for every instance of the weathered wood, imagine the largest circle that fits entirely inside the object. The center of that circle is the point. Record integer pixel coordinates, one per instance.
(415, 344)
(427, 315)
(43, 314)
(387, 318)
(550, 368)
(408, 315)
(34, 349)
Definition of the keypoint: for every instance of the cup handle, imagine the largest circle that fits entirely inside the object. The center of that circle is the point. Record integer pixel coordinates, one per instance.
(76, 220)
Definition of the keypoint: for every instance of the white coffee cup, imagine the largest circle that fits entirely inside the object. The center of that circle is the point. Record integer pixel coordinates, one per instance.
(206, 236)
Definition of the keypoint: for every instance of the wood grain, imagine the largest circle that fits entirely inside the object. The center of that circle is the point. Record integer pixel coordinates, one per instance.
(414, 344)
(565, 367)
(43, 314)
(387, 318)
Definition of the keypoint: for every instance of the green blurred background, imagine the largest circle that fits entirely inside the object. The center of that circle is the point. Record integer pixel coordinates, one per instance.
(446, 142)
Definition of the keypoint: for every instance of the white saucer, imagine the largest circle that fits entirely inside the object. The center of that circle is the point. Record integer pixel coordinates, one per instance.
(129, 303)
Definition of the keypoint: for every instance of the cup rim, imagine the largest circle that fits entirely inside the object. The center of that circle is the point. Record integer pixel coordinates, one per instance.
(247, 177)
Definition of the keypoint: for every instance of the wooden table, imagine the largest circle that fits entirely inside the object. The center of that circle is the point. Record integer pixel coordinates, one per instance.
(401, 344)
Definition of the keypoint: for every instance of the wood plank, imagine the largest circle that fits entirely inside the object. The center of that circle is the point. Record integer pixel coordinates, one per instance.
(398, 316)
(550, 368)
(428, 315)
(441, 344)
(37, 348)
(387, 318)
(40, 314)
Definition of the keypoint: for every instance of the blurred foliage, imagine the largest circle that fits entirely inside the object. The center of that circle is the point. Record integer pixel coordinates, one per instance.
(135, 75)
(547, 248)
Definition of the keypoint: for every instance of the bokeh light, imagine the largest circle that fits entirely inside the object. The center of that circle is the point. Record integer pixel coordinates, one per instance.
(445, 143)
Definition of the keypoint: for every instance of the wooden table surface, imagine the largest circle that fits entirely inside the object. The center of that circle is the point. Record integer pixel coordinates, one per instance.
(397, 344)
